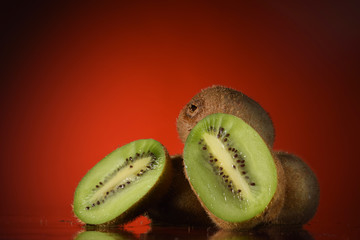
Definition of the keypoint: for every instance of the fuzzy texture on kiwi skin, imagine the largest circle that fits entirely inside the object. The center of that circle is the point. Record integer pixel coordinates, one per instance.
(150, 198)
(180, 205)
(268, 216)
(220, 99)
(302, 191)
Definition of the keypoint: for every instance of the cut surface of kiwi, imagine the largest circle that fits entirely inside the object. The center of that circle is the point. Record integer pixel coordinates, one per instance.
(120, 182)
(230, 168)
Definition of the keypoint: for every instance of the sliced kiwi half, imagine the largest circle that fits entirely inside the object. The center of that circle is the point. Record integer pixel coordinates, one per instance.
(120, 186)
(220, 99)
(233, 173)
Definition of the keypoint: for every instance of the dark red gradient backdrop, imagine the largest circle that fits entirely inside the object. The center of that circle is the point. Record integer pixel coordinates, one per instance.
(79, 80)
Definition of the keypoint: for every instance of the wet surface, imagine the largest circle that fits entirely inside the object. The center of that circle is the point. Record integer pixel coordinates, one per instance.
(55, 228)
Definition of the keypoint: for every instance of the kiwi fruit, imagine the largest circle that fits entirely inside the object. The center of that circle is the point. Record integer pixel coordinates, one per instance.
(123, 184)
(179, 206)
(219, 99)
(302, 190)
(235, 176)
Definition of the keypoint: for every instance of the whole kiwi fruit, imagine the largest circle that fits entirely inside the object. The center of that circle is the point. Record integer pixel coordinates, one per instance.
(220, 99)
(123, 184)
(179, 206)
(236, 177)
(302, 192)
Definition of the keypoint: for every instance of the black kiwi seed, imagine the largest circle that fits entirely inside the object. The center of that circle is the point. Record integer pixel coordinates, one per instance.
(221, 130)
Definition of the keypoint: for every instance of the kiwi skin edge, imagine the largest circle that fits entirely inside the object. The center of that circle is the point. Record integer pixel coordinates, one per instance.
(180, 205)
(302, 191)
(220, 99)
(151, 197)
(270, 213)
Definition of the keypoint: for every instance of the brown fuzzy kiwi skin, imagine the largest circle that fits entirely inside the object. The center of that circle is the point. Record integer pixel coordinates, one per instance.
(302, 192)
(180, 205)
(152, 197)
(220, 99)
(267, 217)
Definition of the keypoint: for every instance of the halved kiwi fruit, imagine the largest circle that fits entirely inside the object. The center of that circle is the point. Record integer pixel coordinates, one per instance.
(219, 99)
(302, 190)
(121, 185)
(235, 176)
(179, 206)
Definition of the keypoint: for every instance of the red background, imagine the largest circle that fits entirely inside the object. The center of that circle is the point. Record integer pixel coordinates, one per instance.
(79, 80)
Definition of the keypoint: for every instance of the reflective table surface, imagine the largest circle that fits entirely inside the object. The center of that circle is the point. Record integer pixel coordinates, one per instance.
(28, 227)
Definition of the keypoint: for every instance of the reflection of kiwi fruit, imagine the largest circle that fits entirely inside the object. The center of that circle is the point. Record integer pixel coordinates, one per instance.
(180, 205)
(269, 232)
(233, 172)
(301, 192)
(94, 235)
(119, 187)
(178, 232)
(218, 99)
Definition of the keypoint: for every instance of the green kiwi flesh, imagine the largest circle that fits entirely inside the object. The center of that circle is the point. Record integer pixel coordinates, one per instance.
(117, 185)
(220, 99)
(230, 168)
